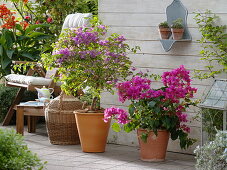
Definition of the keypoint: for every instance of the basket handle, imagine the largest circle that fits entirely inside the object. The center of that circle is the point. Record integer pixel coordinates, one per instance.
(60, 105)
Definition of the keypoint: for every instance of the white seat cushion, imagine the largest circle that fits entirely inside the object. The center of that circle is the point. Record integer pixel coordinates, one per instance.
(29, 80)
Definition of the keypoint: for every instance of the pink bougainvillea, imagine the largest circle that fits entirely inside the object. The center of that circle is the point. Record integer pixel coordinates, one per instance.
(162, 108)
(120, 115)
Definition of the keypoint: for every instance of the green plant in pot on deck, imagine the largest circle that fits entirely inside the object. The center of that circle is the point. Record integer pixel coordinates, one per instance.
(177, 29)
(155, 113)
(88, 59)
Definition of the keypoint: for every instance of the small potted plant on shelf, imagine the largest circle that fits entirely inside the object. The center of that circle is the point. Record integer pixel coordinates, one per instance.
(155, 113)
(177, 29)
(164, 30)
(88, 59)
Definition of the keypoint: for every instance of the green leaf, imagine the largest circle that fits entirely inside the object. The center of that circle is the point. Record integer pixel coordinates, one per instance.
(22, 37)
(131, 109)
(166, 122)
(9, 38)
(33, 27)
(128, 128)
(174, 135)
(19, 27)
(116, 127)
(10, 53)
(42, 37)
(144, 137)
(35, 34)
(151, 104)
(1, 50)
(6, 61)
(157, 109)
(28, 55)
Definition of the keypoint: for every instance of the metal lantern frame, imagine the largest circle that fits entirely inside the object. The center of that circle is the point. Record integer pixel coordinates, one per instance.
(216, 98)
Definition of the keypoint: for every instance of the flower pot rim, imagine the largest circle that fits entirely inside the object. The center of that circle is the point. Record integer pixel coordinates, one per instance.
(177, 28)
(88, 112)
(160, 130)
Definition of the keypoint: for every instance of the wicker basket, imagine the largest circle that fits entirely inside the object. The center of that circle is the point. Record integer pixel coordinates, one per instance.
(60, 120)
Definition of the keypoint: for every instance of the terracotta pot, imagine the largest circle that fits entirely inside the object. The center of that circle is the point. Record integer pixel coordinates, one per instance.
(164, 33)
(154, 150)
(177, 33)
(93, 131)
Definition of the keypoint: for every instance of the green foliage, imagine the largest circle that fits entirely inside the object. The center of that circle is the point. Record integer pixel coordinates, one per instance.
(212, 121)
(19, 45)
(214, 44)
(116, 127)
(148, 115)
(5, 103)
(87, 97)
(14, 153)
(178, 23)
(11, 92)
(144, 137)
(57, 10)
(46, 18)
(213, 155)
(164, 25)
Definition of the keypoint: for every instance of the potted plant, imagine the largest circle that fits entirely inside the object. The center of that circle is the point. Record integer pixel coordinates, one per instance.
(164, 30)
(155, 113)
(177, 29)
(88, 59)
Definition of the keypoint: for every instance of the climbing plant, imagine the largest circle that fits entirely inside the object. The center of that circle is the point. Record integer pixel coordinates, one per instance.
(214, 44)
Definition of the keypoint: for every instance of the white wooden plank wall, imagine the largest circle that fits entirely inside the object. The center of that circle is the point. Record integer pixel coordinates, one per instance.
(137, 20)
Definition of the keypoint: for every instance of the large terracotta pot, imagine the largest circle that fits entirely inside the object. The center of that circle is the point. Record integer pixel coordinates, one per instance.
(93, 131)
(177, 33)
(155, 147)
(164, 33)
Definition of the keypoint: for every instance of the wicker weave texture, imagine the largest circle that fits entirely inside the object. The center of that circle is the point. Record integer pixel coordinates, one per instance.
(60, 120)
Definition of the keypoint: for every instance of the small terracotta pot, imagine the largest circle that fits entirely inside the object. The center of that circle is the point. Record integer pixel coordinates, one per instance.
(177, 33)
(93, 131)
(154, 150)
(164, 33)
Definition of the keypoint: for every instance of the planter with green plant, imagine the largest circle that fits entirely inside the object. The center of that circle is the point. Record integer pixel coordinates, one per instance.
(155, 113)
(177, 29)
(164, 30)
(88, 59)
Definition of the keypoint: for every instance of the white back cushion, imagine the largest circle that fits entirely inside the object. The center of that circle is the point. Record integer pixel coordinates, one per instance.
(76, 20)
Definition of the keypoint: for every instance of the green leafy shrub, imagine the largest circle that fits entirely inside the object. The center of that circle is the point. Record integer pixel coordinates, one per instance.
(7, 95)
(14, 153)
(213, 155)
